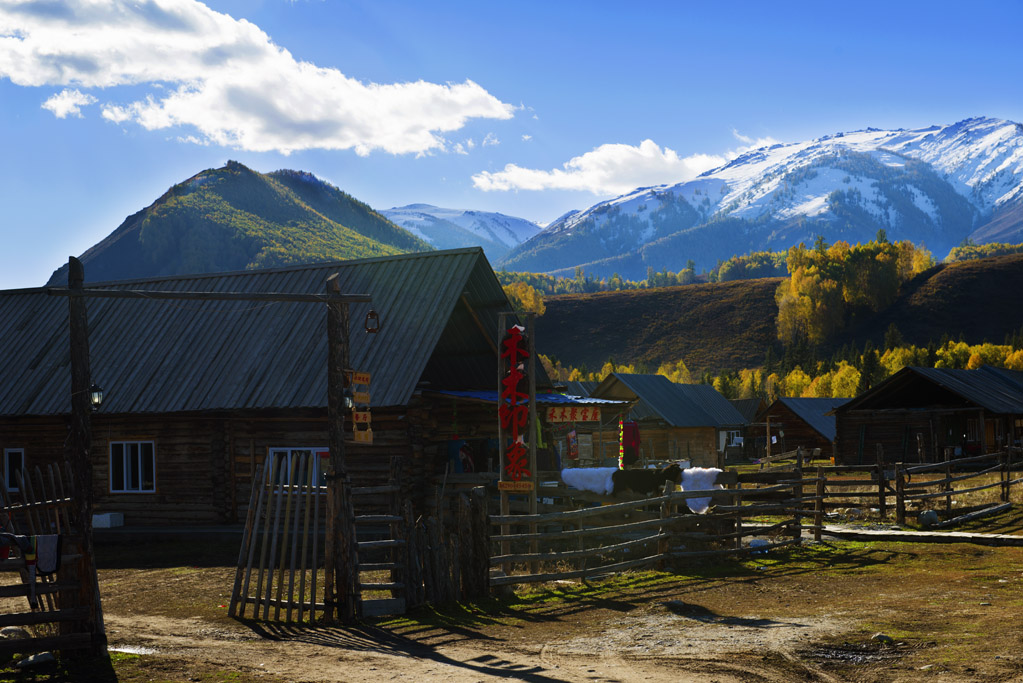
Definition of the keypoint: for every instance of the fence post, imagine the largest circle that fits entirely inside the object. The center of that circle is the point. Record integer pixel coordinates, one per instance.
(947, 485)
(663, 544)
(900, 494)
(738, 515)
(818, 505)
(413, 565)
(882, 498)
(1006, 476)
(797, 494)
(398, 575)
(350, 604)
(480, 522)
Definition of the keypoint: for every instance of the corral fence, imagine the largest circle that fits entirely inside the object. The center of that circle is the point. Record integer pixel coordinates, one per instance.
(39, 504)
(892, 489)
(589, 535)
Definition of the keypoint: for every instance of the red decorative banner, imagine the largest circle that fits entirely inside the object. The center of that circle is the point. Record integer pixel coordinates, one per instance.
(573, 414)
(513, 406)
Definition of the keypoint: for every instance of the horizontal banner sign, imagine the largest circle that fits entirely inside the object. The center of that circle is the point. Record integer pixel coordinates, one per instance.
(361, 397)
(573, 414)
(360, 378)
(361, 417)
(519, 486)
(363, 435)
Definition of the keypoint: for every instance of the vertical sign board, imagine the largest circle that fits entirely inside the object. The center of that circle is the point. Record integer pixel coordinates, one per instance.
(514, 405)
(361, 416)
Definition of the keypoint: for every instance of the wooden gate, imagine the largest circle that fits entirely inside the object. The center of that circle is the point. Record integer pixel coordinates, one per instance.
(281, 561)
(60, 618)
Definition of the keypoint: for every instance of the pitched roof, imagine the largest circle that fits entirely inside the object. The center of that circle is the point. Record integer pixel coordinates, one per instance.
(996, 390)
(747, 407)
(815, 412)
(167, 356)
(680, 405)
(574, 388)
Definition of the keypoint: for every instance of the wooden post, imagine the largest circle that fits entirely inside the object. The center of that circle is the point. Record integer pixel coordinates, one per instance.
(534, 567)
(797, 493)
(398, 574)
(336, 574)
(738, 515)
(900, 494)
(882, 498)
(477, 575)
(505, 504)
(664, 545)
(78, 452)
(947, 484)
(1006, 477)
(767, 418)
(818, 505)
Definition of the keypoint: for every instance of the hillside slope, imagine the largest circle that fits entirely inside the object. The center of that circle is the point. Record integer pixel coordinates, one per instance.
(721, 325)
(730, 325)
(233, 218)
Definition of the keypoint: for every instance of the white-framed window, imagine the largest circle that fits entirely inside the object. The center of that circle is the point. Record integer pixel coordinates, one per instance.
(288, 463)
(972, 429)
(132, 467)
(14, 461)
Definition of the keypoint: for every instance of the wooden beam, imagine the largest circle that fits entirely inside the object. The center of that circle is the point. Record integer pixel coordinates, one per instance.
(329, 297)
(479, 325)
(78, 452)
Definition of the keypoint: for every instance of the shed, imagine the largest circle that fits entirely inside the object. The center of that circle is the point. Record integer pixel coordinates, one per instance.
(676, 421)
(918, 413)
(199, 393)
(799, 423)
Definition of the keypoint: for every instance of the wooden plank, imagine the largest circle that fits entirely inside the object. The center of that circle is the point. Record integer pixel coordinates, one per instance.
(71, 641)
(576, 554)
(993, 510)
(383, 607)
(31, 618)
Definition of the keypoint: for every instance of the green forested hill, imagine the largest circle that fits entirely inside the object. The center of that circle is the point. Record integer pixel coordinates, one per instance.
(729, 325)
(233, 218)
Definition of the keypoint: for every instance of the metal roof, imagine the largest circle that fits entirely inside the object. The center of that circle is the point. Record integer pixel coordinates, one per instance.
(490, 396)
(747, 407)
(580, 388)
(713, 403)
(436, 310)
(996, 390)
(815, 412)
(659, 398)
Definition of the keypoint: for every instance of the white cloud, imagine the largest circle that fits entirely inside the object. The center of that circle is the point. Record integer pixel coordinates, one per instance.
(490, 140)
(224, 78)
(68, 102)
(527, 138)
(608, 169)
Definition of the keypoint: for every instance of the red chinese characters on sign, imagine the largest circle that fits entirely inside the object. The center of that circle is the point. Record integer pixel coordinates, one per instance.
(513, 410)
(573, 414)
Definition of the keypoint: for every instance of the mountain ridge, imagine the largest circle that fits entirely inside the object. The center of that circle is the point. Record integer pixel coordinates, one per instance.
(937, 185)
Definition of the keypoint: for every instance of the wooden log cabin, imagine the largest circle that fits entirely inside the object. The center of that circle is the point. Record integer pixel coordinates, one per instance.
(676, 421)
(918, 413)
(198, 393)
(791, 423)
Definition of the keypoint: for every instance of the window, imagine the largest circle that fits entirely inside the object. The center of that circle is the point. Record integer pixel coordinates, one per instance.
(284, 461)
(972, 429)
(132, 467)
(14, 461)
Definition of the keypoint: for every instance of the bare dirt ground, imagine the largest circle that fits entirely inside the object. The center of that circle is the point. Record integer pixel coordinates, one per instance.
(805, 615)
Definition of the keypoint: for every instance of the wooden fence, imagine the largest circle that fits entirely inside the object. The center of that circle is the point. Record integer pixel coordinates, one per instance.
(401, 562)
(656, 531)
(60, 617)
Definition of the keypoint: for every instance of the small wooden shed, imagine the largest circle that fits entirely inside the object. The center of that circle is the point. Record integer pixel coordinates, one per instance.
(917, 413)
(676, 421)
(793, 423)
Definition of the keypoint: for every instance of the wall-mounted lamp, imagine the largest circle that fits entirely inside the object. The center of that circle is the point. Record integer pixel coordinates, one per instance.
(95, 396)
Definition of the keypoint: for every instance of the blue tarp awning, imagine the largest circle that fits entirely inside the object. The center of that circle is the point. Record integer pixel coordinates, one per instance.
(541, 399)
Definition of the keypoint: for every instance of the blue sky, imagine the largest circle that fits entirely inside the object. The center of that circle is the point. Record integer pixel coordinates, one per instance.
(528, 108)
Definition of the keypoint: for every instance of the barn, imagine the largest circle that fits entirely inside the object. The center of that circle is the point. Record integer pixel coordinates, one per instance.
(676, 421)
(198, 393)
(918, 413)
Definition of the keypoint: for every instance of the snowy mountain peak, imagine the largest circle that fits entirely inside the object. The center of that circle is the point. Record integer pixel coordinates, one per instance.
(936, 185)
(445, 228)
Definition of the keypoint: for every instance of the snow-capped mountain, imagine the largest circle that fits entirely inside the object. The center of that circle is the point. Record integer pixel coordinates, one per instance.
(935, 186)
(453, 228)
